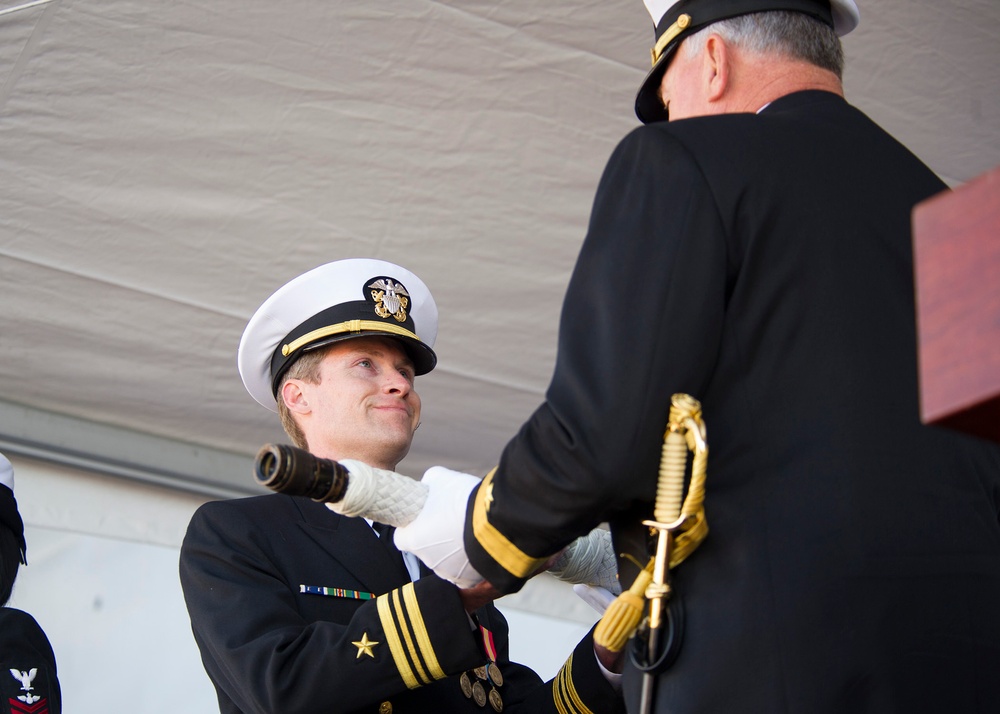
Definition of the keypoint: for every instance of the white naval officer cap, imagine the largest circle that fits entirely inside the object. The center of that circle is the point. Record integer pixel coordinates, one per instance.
(9, 515)
(337, 301)
(676, 19)
(6, 472)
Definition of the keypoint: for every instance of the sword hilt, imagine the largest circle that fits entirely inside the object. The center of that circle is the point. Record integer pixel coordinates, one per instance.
(672, 514)
(680, 522)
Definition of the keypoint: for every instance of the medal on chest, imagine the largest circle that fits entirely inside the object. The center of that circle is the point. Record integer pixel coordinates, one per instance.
(483, 683)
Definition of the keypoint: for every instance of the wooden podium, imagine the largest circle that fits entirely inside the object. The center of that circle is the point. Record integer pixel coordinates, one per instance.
(956, 255)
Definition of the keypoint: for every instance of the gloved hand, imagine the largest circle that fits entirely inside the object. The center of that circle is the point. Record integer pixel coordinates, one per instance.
(590, 560)
(594, 595)
(436, 535)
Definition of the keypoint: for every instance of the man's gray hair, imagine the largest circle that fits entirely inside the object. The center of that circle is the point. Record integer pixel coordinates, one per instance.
(791, 34)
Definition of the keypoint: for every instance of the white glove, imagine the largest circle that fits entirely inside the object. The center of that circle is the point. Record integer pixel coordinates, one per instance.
(436, 535)
(597, 597)
(590, 560)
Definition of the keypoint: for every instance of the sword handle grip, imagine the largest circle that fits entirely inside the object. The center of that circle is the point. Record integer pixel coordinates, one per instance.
(670, 487)
(673, 462)
(296, 472)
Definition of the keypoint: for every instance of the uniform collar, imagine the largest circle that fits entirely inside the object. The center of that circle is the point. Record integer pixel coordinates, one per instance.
(800, 99)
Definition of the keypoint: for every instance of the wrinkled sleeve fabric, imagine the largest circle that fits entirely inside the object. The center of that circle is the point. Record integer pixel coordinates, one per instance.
(642, 320)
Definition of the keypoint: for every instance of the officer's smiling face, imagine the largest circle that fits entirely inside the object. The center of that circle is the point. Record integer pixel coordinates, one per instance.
(364, 406)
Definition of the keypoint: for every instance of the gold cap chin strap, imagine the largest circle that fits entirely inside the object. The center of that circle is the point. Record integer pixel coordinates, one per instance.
(683, 22)
(684, 522)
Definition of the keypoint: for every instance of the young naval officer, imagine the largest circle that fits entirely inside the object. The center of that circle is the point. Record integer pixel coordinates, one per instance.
(28, 679)
(755, 252)
(297, 609)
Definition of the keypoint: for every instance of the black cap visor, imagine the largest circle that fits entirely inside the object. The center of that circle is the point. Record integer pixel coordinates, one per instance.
(344, 322)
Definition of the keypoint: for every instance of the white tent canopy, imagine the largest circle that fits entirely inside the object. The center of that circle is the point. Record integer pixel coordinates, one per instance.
(167, 165)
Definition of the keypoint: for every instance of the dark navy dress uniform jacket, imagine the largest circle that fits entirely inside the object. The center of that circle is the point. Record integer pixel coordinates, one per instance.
(271, 649)
(763, 264)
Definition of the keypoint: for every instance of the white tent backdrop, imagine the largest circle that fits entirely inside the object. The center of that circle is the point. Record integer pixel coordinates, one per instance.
(166, 165)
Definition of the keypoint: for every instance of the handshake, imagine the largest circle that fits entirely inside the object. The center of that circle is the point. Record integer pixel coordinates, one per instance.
(429, 515)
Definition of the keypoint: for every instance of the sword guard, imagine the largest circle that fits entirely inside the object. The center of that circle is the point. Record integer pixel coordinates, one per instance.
(670, 527)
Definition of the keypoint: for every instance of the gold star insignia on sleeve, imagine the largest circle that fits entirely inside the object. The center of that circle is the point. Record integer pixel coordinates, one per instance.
(488, 499)
(365, 646)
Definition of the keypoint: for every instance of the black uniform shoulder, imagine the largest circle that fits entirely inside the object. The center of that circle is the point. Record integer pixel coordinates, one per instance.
(28, 680)
(791, 148)
(700, 146)
(811, 128)
(248, 505)
(20, 631)
(265, 506)
(11, 615)
(739, 135)
(261, 519)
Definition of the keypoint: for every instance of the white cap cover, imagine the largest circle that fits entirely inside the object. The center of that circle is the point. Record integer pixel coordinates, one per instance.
(336, 301)
(6, 472)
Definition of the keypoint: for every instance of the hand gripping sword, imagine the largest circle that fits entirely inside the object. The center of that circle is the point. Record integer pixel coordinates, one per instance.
(354, 489)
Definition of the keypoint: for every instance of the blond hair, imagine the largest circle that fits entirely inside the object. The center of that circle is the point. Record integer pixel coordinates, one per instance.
(305, 367)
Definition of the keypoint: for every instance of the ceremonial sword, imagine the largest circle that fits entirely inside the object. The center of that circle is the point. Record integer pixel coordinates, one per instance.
(685, 430)
(354, 489)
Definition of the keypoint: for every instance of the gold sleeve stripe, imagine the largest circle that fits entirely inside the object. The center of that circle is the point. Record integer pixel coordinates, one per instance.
(509, 556)
(420, 630)
(557, 693)
(395, 645)
(560, 707)
(567, 700)
(408, 637)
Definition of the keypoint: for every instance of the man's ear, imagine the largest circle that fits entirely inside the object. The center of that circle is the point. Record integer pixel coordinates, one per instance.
(294, 396)
(717, 68)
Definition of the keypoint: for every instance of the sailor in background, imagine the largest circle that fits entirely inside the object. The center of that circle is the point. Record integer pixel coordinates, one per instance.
(28, 681)
(750, 246)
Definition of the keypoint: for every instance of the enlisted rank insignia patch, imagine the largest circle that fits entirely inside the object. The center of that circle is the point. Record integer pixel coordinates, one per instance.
(390, 298)
(25, 699)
